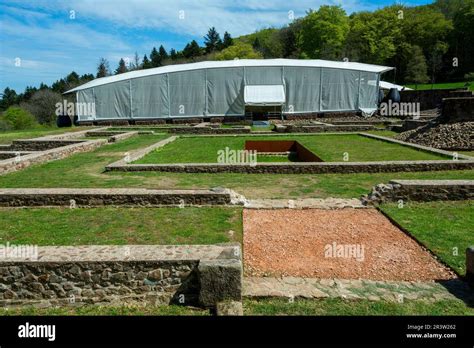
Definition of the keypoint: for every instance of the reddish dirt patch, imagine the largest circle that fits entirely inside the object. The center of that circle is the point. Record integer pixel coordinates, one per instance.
(295, 243)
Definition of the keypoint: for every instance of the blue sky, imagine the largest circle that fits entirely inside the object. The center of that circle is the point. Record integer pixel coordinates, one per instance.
(49, 40)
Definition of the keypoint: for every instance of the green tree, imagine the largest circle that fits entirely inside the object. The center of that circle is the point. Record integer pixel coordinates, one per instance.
(155, 58)
(324, 32)
(239, 50)
(428, 28)
(122, 67)
(103, 68)
(228, 41)
(289, 36)
(374, 37)
(146, 64)
(163, 54)
(212, 40)
(9, 98)
(18, 118)
(192, 50)
(416, 69)
(462, 38)
(173, 54)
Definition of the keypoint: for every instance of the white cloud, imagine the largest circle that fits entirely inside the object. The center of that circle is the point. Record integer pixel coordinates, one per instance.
(238, 18)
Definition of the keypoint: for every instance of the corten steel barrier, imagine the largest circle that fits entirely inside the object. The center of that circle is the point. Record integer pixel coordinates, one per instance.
(302, 153)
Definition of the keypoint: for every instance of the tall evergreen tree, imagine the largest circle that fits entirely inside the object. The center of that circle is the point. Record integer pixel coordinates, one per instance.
(192, 50)
(228, 41)
(173, 54)
(155, 58)
(212, 40)
(122, 67)
(163, 54)
(103, 68)
(146, 64)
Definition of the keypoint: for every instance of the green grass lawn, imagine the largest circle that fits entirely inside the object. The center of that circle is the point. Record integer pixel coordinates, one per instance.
(107, 225)
(90, 310)
(446, 228)
(467, 153)
(442, 86)
(7, 137)
(342, 307)
(86, 170)
(339, 307)
(330, 148)
(383, 133)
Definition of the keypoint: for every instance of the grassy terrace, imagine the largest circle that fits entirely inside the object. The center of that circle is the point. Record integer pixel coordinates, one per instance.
(330, 148)
(87, 170)
(446, 228)
(271, 307)
(442, 86)
(7, 137)
(64, 226)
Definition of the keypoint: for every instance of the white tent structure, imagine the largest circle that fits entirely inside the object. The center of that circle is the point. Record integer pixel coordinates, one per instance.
(225, 88)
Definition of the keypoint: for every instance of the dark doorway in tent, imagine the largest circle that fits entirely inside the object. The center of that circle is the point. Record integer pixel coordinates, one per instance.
(262, 113)
(263, 102)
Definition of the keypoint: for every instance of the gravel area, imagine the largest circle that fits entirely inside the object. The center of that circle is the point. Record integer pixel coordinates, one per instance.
(454, 136)
(342, 243)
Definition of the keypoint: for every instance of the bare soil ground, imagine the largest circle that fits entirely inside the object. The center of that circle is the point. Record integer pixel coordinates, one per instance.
(341, 243)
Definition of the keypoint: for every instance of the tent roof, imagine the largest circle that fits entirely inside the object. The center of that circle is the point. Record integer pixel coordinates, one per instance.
(264, 95)
(316, 63)
(388, 85)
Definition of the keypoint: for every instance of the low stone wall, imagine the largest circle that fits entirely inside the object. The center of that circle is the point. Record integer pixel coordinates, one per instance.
(113, 136)
(430, 99)
(458, 110)
(40, 144)
(69, 135)
(18, 163)
(299, 168)
(421, 191)
(12, 154)
(209, 130)
(28, 197)
(320, 115)
(103, 133)
(328, 128)
(201, 275)
(122, 136)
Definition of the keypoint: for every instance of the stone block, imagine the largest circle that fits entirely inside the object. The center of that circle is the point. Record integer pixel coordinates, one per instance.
(220, 280)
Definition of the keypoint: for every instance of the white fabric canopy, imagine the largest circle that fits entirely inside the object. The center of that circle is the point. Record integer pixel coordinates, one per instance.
(264, 95)
(310, 63)
(388, 85)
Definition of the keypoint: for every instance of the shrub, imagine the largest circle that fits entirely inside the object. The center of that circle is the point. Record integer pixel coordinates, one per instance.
(18, 118)
(4, 125)
(43, 106)
(238, 50)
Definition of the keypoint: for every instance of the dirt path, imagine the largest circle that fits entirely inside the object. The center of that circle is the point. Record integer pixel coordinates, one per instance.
(342, 243)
